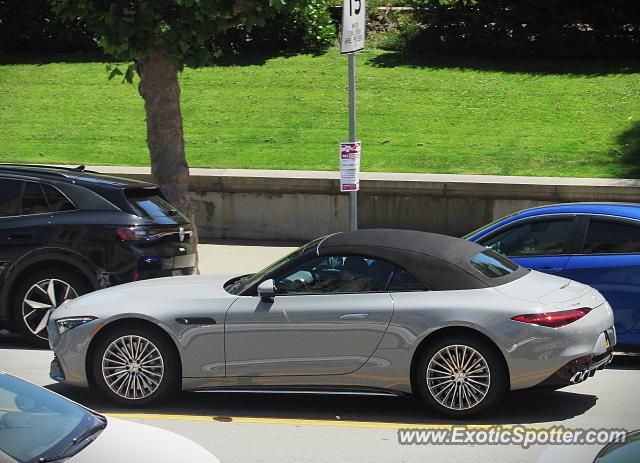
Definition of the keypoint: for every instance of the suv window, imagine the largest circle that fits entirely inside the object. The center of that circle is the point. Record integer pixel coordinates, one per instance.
(150, 204)
(534, 238)
(604, 237)
(33, 201)
(9, 197)
(493, 264)
(57, 201)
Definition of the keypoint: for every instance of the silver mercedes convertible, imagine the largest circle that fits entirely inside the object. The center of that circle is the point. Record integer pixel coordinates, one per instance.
(370, 311)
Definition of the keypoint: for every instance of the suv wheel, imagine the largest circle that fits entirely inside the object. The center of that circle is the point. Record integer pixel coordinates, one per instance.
(39, 293)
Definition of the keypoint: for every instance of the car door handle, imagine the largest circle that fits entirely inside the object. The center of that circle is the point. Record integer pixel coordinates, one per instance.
(354, 316)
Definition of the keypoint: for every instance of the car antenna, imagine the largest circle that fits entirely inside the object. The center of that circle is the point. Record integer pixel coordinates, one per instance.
(79, 168)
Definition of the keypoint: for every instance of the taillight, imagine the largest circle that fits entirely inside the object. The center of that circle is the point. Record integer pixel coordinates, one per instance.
(135, 234)
(553, 319)
(151, 234)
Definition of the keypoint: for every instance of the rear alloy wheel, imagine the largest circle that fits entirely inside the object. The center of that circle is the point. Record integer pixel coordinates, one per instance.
(135, 366)
(40, 293)
(460, 376)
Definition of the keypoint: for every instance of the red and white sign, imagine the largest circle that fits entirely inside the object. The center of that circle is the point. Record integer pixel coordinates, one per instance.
(350, 166)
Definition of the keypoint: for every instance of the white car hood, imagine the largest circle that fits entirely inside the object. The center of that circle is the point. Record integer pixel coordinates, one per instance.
(126, 442)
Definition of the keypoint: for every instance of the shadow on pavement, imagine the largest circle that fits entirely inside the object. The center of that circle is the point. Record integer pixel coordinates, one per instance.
(16, 341)
(517, 408)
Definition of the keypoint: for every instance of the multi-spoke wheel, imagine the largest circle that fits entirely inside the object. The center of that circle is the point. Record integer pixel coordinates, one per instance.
(132, 367)
(460, 376)
(135, 366)
(40, 293)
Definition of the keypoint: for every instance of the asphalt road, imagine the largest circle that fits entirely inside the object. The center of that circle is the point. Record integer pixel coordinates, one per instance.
(268, 427)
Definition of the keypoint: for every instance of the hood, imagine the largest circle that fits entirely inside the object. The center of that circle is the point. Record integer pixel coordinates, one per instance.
(149, 295)
(125, 441)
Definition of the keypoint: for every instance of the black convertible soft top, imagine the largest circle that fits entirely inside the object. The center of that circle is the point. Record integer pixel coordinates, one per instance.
(441, 262)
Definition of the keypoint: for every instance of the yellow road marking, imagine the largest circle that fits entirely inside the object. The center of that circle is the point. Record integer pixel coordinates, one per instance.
(305, 422)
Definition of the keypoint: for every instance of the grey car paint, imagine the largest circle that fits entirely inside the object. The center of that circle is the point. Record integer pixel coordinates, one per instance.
(375, 352)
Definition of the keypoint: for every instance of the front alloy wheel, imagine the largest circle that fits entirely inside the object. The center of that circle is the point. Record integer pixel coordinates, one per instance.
(132, 367)
(135, 365)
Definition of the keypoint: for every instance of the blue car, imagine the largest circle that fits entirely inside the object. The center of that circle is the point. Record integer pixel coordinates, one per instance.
(594, 243)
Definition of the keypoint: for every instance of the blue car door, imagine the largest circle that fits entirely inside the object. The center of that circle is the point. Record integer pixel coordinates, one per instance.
(541, 242)
(609, 260)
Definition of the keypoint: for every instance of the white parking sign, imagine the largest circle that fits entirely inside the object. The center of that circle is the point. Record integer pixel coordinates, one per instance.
(353, 26)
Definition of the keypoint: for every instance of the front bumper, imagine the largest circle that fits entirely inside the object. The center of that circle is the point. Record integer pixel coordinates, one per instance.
(70, 352)
(55, 370)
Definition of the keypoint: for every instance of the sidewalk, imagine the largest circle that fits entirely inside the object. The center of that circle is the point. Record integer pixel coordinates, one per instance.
(239, 257)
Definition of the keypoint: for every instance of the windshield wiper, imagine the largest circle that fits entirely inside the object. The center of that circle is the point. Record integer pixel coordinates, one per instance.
(95, 428)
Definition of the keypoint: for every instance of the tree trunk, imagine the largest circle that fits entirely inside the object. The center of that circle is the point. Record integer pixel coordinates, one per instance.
(160, 89)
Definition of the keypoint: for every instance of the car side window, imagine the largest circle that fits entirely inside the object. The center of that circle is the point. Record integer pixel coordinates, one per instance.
(10, 197)
(336, 274)
(404, 281)
(533, 238)
(606, 237)
(57, 201)
(33, 201)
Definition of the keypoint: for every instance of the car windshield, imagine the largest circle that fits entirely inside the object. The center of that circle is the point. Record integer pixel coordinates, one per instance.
(38, 424)
(238, 286)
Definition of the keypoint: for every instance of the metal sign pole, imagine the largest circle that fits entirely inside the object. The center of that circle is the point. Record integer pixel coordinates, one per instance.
(352, 39)
(353, 195)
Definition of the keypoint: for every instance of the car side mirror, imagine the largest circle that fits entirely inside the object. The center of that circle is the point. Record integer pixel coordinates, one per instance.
(267, 290)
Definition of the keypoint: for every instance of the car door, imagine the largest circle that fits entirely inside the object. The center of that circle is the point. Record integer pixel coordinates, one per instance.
(327, 318)
(541, 243)
(609, 260)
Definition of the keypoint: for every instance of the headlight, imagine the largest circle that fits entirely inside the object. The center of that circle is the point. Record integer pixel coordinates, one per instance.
(66, 324)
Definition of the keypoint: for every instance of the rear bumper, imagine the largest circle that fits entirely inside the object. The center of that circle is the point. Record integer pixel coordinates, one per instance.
(551, 356)
(578, 370)
(157, 261)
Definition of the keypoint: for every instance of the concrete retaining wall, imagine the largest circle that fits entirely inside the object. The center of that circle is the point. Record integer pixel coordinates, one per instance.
(299, 205)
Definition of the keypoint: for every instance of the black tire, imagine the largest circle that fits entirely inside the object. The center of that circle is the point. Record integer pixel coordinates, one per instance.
(170, 373)
(494, 386)
(27, 325)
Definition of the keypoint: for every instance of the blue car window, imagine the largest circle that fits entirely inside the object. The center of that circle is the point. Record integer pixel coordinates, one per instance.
(604, 237)
(533, 238)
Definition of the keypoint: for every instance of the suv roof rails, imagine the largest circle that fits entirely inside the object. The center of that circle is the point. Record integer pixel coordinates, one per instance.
(18, 167)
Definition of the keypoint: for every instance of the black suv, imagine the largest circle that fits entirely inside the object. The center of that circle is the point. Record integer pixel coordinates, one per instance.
(66, 232)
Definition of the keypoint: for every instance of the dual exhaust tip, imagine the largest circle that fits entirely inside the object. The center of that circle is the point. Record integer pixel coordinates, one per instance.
(582, 375)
